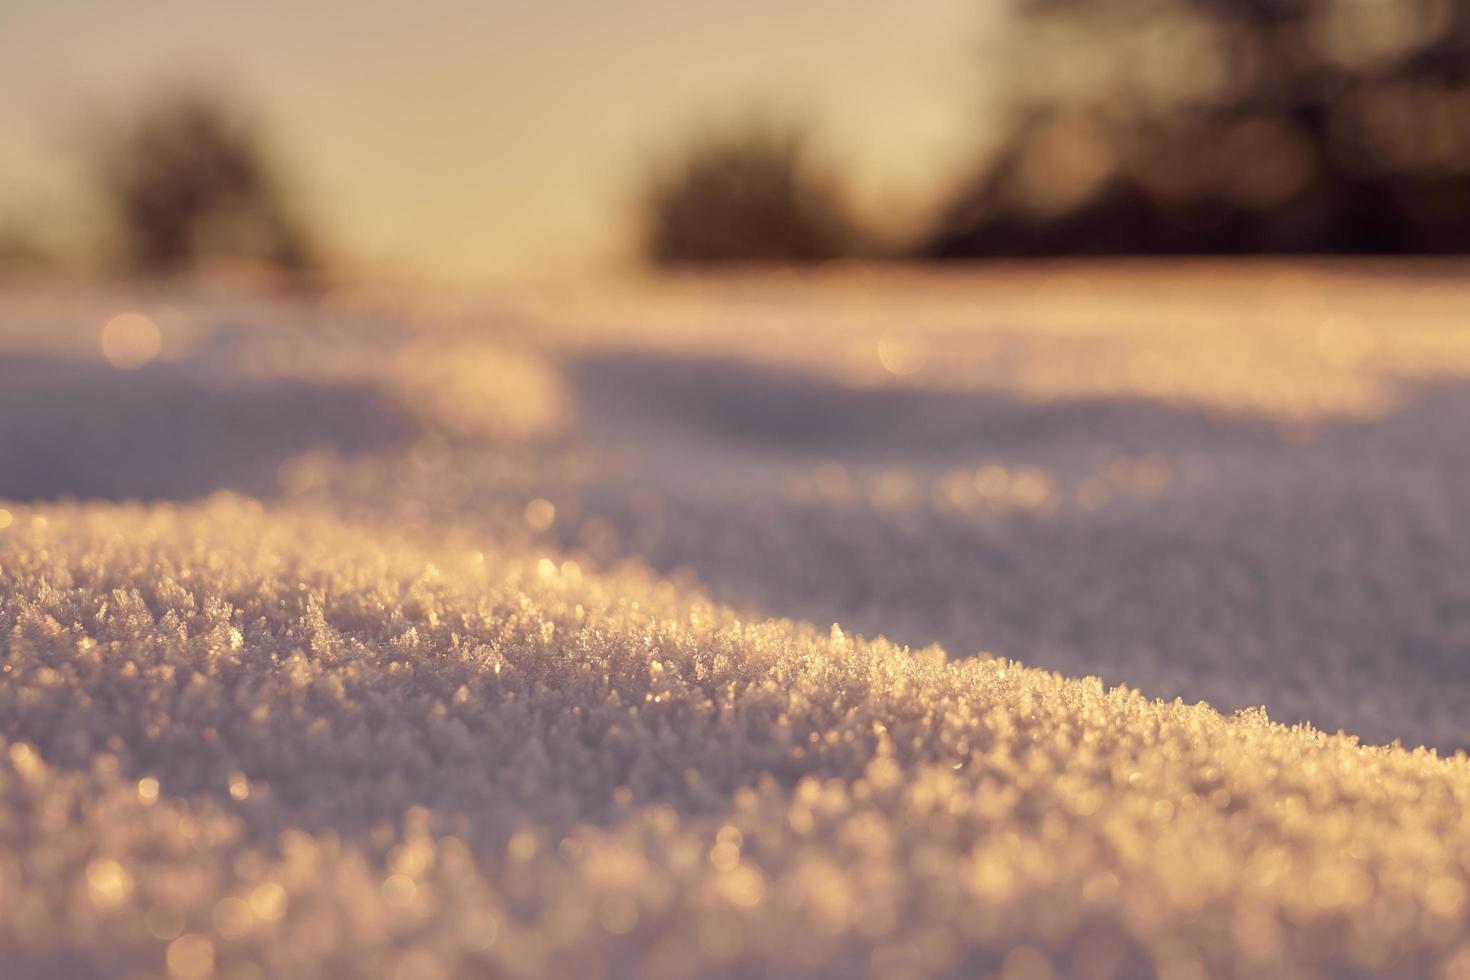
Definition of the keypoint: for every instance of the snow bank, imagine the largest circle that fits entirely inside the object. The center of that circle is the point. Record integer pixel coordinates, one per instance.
(478, 640)
(267, 743)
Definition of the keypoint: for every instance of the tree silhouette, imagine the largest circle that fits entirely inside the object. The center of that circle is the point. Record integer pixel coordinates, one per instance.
(187, 178)
(748, 192)
(1176, 126)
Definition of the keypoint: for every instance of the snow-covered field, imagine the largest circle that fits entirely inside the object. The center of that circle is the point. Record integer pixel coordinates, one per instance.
(542, 634)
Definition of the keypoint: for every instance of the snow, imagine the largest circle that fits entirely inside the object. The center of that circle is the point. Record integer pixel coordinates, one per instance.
(541, 635)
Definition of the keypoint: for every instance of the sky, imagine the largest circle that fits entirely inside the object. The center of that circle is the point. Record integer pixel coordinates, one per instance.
(461, 141)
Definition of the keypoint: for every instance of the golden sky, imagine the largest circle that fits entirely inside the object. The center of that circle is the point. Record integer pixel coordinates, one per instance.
(461, 141)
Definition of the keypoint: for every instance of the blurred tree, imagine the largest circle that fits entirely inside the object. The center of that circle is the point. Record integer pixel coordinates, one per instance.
(1166, 126)
(187, 178)
(747, 192)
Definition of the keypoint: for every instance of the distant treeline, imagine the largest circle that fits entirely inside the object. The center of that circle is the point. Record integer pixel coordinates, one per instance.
(1113, 127)
(1156, 127)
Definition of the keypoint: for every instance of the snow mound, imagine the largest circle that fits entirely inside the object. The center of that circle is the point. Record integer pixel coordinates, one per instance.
(263, 742)
(376, 637)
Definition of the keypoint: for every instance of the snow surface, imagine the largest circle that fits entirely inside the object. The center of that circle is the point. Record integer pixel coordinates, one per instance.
(376, 637)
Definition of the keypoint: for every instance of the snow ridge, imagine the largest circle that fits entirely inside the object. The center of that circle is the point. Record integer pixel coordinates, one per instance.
(262, 742)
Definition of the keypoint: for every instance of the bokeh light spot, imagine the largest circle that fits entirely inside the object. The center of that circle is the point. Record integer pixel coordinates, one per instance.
(399, 890)
(902, 355)
(190, 957)
(268, 901)
(108, 882)
(130, 340)
(539, 514)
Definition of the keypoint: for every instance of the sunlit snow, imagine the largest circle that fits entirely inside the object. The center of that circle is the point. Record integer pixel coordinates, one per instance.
(541, 635)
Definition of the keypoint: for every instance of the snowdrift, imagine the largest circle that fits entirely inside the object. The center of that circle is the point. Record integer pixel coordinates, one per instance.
(358, 640)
